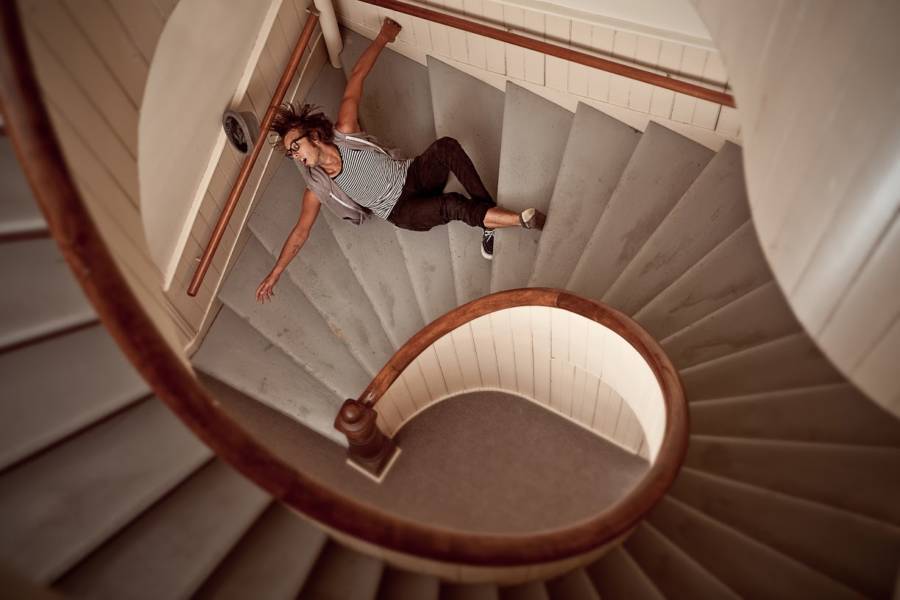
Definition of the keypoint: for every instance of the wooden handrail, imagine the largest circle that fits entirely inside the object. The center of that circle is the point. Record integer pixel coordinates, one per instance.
(244, 175)
(38, 150)
(569, 54)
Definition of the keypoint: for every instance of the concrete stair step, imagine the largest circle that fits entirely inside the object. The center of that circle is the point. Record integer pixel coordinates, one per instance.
(836, 413)
(239, 356)
(19, 212)
(535, 132)
(852, 478)
(672, 571)
(291, 322)
(574, 585)
(320, 270)
(170, 550)
(860, 552)
(588, 176)
(661, 169)
(397, 584)
(618, 576)
(71, 499)
(751, 569)
(54, 388)
(757, 317)
(729, 271)
(534, 590)
(710, 210)
(271, 562)
(51, 301)
(469, 591)
(790, 362)
(342, 574)
(396, 108)
(453, 96)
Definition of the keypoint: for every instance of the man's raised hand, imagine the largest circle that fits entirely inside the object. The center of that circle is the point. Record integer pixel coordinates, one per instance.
(389, 30)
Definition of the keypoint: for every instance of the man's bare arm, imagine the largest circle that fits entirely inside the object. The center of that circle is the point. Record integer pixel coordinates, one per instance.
(295, 240)
(348, 114)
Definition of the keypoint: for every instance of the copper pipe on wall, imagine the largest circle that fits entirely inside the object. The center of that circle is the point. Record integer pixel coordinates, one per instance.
(588, 60)
(244, 175)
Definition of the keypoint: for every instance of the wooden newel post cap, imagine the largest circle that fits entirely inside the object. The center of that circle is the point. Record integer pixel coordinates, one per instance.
(369, 447)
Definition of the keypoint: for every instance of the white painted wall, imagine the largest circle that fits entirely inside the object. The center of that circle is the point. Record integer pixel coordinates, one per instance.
(201, 60)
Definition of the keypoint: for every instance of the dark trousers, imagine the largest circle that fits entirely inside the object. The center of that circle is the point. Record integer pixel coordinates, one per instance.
(423, 203)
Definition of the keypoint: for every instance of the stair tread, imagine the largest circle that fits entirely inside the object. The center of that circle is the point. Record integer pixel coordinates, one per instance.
(662, 168)
(587, 178)
(270, 562)
(737, 560)
(51, 301)
(755, 318)
(72, 498)
(18, 211)
(672, 571)
(291, 322)
(401, 116)
(172, 548)
(859, 552)
(617, 575)
(835, 413)
(848, 477)
(259, 369)
(534, 590)
(730, 270)
(397, 584)
(574, 585)
(453, 94)
(38, 410)
(535, 132)
(320, 270)
(341, 573)
(710, 210)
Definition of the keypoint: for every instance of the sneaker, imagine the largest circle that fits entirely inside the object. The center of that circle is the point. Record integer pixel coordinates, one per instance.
(487, 244)
(532, 218)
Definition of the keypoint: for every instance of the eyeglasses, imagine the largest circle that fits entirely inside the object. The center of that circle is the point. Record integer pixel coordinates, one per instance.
(294, 147)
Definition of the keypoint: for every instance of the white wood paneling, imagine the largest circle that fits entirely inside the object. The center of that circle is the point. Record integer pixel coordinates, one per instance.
(561, 360)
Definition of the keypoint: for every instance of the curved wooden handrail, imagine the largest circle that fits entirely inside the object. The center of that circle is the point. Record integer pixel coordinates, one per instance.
(569, 54)
(244, 175)
(68, 219)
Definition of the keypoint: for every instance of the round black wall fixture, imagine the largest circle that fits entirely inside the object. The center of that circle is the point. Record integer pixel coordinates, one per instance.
(241, 128)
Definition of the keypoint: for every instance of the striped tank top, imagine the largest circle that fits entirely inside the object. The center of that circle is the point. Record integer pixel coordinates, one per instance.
(371, 178)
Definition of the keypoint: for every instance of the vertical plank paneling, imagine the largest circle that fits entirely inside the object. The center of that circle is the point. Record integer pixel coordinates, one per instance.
(440, 36)
(464, 343)
(628, 431)
(449, 364)
(606, 415)
(485, 352)
(558, 32)
(520, 321)
(388, 414)
(540, 330)
(647, 55)
(595, 347)
(562, 374)
(458, 46)
(514, 17)
(415, 383)
(578, 389)
(403, 399)
(579, 75)
(534, 61)
(476, 44)
(598, 84)
(589, 400)
(693, 61)
(578, 339)
(503, 342)
(495, 51)
(625, 47)
(431, 371)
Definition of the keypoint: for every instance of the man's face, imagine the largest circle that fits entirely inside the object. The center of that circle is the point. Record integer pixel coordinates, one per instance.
(300, 147)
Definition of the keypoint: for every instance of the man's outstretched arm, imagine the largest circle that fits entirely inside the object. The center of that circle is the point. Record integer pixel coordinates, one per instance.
(292, 245)
(348, 115)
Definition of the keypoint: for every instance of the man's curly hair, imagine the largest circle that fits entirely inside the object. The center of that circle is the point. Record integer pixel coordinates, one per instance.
(309, 119)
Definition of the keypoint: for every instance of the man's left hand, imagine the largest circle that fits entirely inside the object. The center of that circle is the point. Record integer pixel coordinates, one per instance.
(389, 30)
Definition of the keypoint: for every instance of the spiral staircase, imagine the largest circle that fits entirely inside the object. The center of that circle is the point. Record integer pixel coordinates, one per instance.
(790, 484)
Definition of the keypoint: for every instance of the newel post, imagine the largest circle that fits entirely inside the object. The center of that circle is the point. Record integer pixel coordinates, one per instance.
(370, 448)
